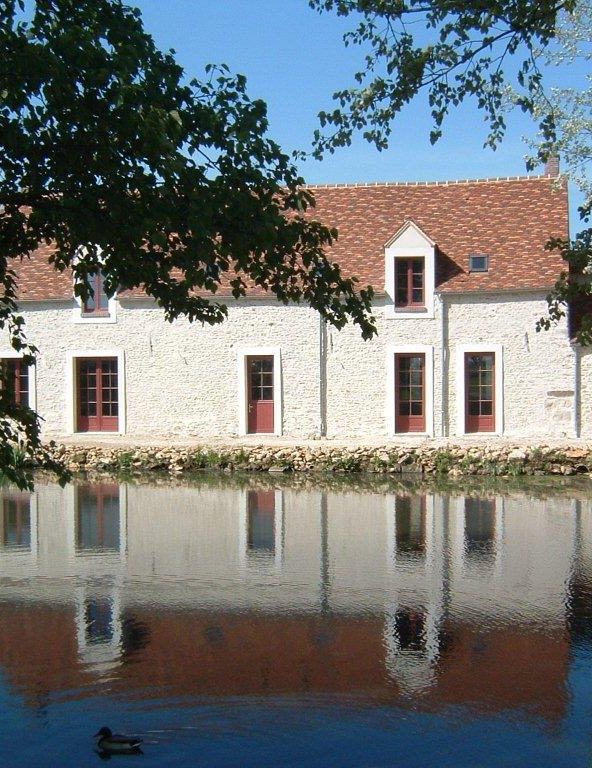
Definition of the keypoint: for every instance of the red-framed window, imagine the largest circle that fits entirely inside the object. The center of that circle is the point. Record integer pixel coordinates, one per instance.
(15, 378)
(409, 282)
(410, 392)
(97, 302)
(97, 386)
(479, 392)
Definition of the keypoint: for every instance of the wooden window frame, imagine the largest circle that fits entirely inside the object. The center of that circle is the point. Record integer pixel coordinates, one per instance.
(21, 394)
(392, 351)
(410, 423)
(72, 357)
(243, 354)
(99, 297)
(461, 386)
(100, 422)
(479, 423)
(406, 267)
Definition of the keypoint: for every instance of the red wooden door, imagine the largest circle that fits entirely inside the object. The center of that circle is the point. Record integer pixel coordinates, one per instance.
(410, 393)
(480, 392)
(260, 394)
(98, 396)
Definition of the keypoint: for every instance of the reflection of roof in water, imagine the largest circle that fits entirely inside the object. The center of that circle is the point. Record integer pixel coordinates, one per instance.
(209, 654)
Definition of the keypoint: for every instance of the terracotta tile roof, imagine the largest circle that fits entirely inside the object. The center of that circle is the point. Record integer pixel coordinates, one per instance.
(38, 280)
(508, 219)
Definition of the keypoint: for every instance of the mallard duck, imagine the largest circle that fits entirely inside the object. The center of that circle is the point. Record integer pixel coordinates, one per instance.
(117, 742)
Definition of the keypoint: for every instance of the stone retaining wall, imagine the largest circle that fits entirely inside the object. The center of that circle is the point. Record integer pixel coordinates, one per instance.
(451, 460)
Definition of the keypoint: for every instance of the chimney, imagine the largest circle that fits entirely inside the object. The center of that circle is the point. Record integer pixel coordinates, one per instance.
(552, 166)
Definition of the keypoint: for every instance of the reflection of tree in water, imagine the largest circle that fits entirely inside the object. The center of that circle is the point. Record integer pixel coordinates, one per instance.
(135, 635)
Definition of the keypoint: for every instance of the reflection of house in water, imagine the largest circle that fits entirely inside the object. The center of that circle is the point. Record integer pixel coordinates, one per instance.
(400, 598)
(261, 527)
(480, 529)
(97, 518)
(19, 512)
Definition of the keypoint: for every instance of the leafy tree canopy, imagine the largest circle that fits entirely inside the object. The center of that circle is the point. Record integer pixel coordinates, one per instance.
(497, 53)
(452, 49)
(108, 153)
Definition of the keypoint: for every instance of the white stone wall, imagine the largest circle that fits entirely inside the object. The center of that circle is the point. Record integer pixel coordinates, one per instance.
(585, 404)
(538, 368)
(182, 379)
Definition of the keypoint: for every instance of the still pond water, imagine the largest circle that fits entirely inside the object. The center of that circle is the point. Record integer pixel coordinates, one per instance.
(251, 624)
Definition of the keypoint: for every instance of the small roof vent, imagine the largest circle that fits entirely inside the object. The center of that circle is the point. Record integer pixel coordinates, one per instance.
(478, 262)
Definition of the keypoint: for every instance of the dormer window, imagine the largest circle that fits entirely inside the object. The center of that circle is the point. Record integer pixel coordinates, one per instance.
(98, 307)
(409, 282)
(97, 303)
(410, 271)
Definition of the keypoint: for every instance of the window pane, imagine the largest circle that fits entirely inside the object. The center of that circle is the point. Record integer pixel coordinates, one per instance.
(97, 300)
(487, 377)
(415, 393)
(486, 393)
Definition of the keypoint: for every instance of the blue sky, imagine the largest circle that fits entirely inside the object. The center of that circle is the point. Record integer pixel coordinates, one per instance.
(294, 59)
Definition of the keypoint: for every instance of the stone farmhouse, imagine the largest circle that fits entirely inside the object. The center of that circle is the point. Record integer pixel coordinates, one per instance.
(460, 272)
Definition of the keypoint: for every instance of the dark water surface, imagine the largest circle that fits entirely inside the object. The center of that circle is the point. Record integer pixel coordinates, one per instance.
(266, 623)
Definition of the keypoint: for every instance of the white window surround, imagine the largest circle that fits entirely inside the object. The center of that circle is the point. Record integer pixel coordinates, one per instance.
(11, 354)
(72, 395)
(410, 242)
(243, 353)
(497, 350)
(391, 405)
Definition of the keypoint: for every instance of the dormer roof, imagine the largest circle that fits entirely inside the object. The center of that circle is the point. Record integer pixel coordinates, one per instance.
(410, 236)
